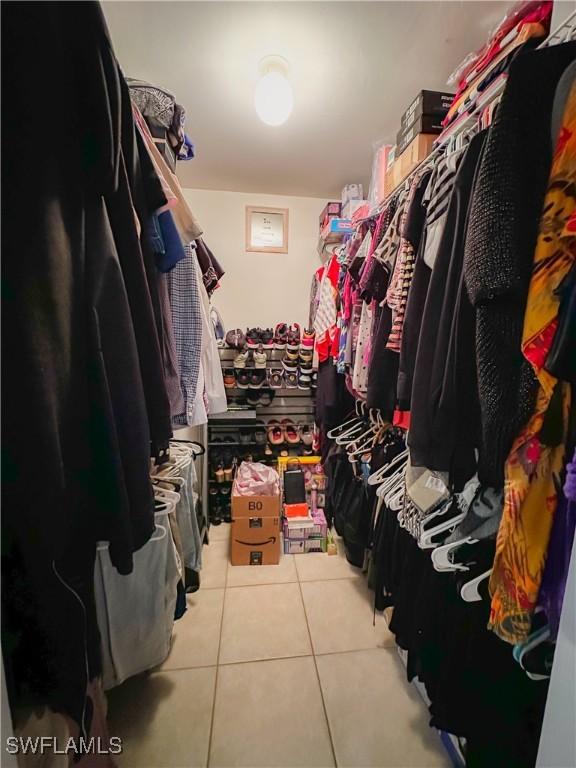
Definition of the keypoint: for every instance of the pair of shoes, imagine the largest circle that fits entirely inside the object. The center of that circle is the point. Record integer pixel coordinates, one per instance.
(222, 475)
(276, 378)
(241, 359)
(307, 341)
(258, 336)
(304, 380)
(250, 378)
(260, 358)
(290, 360)
(235, 339)
(306, 433)
(280, 336)
(282, 432)
(260, 397)
(219, 509)
(293, 338)
(246, 358)
(305, 357)
(229, 378)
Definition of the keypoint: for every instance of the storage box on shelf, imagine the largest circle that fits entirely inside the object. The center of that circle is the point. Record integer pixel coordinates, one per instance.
(330, 211)
(334, 233)
(420, 125)
(426, 103)
(424, 124)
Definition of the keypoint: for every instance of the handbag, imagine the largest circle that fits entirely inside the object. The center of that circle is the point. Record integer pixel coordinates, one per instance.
(294, 485)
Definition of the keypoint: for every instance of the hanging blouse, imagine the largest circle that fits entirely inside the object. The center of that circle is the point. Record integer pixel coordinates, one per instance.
(534, 466)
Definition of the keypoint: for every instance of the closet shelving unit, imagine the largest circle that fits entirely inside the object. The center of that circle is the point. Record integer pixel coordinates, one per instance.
(287, 403)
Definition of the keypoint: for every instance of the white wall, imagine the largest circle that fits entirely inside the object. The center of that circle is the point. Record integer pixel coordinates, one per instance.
(259, 289)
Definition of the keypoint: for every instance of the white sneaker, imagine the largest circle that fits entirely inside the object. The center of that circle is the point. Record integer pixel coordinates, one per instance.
(260, 359)
(240, 359)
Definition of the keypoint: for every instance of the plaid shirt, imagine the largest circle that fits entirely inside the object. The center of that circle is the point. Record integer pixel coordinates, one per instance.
(187, 322)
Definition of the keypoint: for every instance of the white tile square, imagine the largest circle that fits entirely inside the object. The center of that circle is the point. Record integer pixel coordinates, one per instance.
(320, 566)
(247, 575)
(263, 622)
(220, 532)
(196, 635)
(341, 616)
(215, 558)
(376, 717)
(270, 714)
(163, 719)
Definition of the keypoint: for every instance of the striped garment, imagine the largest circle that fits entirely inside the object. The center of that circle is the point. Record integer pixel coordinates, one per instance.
(187, 323)
(436, 199)
(397, 295)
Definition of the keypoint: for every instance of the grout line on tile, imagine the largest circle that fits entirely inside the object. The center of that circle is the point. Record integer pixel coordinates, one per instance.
(262, 584)
(338, 578)
(332, 747)
(357, 650)
(217, 668)
(272, 658)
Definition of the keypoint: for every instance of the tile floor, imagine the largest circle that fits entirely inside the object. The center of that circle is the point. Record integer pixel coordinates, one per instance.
(278, 667)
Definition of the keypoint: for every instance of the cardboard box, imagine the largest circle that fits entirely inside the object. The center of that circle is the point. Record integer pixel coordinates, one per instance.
(255, 506)
(381, 164)
(424, 124)
(255, 541)
(330, 211)
(426, 103)
(316, 527)
(303, 546)
(297, 510)
(417, 151)
(394, 176)
(315, 545)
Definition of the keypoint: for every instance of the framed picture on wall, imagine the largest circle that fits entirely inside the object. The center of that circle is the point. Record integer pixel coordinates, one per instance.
(266, 229)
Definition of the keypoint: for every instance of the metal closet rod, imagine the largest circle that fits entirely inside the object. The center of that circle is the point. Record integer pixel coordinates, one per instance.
(563, 33)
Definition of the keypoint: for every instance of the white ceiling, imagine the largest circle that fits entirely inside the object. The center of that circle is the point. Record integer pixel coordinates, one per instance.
(355, 67)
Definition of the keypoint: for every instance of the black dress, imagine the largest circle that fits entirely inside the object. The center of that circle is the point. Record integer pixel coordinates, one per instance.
(444, 425)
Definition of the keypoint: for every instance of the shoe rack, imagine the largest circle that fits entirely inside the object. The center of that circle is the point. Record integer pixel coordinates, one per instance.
(225, 429)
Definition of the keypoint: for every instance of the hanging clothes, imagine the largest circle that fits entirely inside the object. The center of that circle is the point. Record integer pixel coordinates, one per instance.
(184, 293)
(535, 463)
(444, 409)
(78, 472)
(502, 233)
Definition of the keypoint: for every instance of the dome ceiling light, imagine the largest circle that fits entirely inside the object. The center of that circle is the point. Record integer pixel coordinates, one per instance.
(273, 97)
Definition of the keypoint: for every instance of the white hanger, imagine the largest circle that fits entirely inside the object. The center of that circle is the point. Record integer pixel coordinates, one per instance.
(441, 555)
(349, 434)
(337, 431)
(469, 591)
(425, 539)
(377, 477)
(395, 500)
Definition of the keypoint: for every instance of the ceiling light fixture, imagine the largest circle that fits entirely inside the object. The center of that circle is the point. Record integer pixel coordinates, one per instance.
(273, 96)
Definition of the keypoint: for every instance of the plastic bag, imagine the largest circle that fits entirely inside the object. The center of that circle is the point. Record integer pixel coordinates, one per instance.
(376, 191)
(255, 479)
